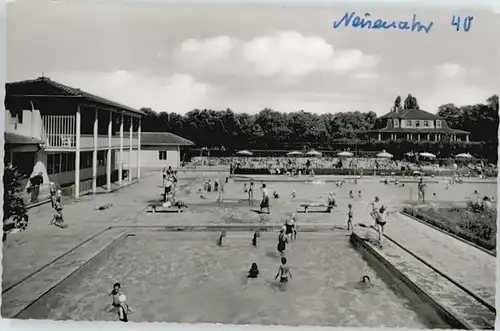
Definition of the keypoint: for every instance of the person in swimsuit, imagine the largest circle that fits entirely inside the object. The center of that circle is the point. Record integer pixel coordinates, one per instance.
(265, 199)
(245, 188)
(164, 176)
(380, 222)
(359, 194)
(421, 191)
(349, 218)
(374, 209)
(331, 202)
(283, 271)
(169, 188)
(254, 271)
(351, 195)
(282, 241)
(119, 302)
(52, 190)
(290, 228)
(250, 193)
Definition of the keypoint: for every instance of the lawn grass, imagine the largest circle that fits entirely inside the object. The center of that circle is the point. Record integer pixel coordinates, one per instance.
(471, 223)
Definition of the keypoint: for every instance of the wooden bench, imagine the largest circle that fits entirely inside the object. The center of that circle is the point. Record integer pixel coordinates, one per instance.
(160, 208)
(306, 206)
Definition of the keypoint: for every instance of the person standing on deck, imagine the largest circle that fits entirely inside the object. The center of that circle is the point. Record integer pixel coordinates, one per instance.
(421, 191)
(265, 203)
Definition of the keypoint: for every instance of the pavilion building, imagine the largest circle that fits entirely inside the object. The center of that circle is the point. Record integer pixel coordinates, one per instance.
(416, 125)
(69, 135)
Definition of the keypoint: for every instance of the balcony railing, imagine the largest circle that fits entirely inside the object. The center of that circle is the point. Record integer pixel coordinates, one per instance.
(68, 141)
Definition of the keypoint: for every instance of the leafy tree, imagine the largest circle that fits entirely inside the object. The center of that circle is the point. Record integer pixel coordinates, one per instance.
(13, 204)
(411, 102)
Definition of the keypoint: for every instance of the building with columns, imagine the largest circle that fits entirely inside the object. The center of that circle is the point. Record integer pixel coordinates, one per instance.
(415, 124)
(69, 135)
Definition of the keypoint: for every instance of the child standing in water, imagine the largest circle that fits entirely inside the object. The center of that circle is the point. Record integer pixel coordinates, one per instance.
(254, 271)
(119, 302)
(282, 241)
(349, 218)
(283, 271)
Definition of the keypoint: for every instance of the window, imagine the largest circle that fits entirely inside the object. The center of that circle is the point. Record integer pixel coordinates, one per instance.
(57, 163)
(426, 124)
(162, 155)
(396, 123)
(417, 123)
(438, 124)
(408, 124)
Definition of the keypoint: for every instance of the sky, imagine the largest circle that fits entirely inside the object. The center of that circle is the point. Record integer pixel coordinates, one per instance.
(176, 58)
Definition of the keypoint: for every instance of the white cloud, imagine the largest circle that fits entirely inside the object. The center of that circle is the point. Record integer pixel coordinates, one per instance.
(176, 93)
(449, 70)
(286, 54)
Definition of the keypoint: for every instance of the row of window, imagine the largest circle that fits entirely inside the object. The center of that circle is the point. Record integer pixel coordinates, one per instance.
(416, 124)
(63, 162)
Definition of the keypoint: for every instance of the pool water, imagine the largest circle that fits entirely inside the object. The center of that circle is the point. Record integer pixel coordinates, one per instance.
(186, 277)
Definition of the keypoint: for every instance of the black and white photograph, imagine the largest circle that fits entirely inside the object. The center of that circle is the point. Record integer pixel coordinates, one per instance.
(251, 164)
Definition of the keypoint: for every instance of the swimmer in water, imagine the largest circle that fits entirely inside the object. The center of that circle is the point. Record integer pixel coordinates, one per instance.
(351, 195)
(349, 218)
(282, 241)
(245, 188)
(359, 194)
(365, 279)
(275, 194)
(283, 271)
(254, 271)
(294, 194)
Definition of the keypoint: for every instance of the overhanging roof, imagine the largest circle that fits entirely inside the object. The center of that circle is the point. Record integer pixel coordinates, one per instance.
(162, 139)
(45, 87)
(16, 139)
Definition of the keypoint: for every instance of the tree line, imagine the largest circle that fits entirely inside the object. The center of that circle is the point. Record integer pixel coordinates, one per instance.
(273, 130)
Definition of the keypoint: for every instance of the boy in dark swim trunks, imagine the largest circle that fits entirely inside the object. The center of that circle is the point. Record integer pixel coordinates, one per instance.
(282, 241)
(283, 271)
(349, 218)
(380, 222)
(119, 302)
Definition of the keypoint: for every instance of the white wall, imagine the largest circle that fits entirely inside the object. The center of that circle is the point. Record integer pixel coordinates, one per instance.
(32, 125)
(150, 157)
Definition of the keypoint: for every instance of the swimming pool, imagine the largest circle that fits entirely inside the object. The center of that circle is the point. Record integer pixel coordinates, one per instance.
(185, 277)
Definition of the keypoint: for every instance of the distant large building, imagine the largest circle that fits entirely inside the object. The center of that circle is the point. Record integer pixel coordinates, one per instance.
(415, 124)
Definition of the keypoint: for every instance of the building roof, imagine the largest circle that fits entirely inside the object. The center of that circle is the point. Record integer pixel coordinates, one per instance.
(16, 139)
(423, 131)
(411, 114)
(162, 139)
(45, 87)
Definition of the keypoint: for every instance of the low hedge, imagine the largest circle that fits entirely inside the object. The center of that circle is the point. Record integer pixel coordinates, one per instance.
(446, 225)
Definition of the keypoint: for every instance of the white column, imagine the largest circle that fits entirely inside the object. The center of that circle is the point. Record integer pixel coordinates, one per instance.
(139, 149)
(130, 150)
(178, 157)
(108, 156)
(428, 137)
(418, 136)
(120, 166)
(77, 153)
(379, 137)
(467, 138)
(94, 155)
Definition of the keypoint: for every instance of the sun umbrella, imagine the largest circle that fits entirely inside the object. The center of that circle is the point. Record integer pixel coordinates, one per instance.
(464, 156)
(294, 153)
(313, 153)
(384, 155)
(345, 154)
(428, 155)
(245, 152)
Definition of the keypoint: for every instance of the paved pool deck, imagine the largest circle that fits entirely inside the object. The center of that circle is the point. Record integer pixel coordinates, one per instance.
(26, 253)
